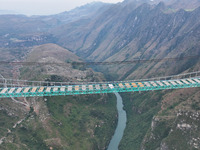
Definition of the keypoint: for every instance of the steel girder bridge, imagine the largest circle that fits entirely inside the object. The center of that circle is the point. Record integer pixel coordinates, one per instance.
(23, 88)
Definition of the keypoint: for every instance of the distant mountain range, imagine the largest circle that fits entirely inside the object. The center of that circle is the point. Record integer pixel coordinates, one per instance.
(25, 24)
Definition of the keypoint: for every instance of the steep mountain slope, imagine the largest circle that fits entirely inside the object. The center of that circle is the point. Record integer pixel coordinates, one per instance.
(146, 32)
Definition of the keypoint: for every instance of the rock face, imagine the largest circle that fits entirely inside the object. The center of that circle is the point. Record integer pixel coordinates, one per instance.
(183, 133)
(175, 128)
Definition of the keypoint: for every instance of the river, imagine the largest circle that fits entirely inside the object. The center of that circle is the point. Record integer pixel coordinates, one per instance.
(121, 125)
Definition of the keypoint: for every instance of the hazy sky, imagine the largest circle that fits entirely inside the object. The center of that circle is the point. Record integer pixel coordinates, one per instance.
(44, 7)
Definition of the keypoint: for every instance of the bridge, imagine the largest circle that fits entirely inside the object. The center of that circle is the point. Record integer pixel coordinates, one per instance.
(24, 88)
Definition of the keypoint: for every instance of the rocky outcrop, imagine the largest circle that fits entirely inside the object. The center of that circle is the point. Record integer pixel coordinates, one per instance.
(175, 128)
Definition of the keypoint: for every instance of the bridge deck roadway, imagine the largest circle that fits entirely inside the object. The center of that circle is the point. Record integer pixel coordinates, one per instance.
(125, 86)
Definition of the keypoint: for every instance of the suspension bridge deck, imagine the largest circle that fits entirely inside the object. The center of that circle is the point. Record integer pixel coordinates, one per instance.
(95, 88)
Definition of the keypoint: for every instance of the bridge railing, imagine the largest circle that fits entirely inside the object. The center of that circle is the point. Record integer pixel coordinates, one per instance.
(24, 83)
(172, 77)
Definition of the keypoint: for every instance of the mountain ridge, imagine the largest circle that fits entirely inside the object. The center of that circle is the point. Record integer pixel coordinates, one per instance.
(175, 4)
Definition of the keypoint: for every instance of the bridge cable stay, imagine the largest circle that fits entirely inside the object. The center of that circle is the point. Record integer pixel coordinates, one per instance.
(17, 82)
